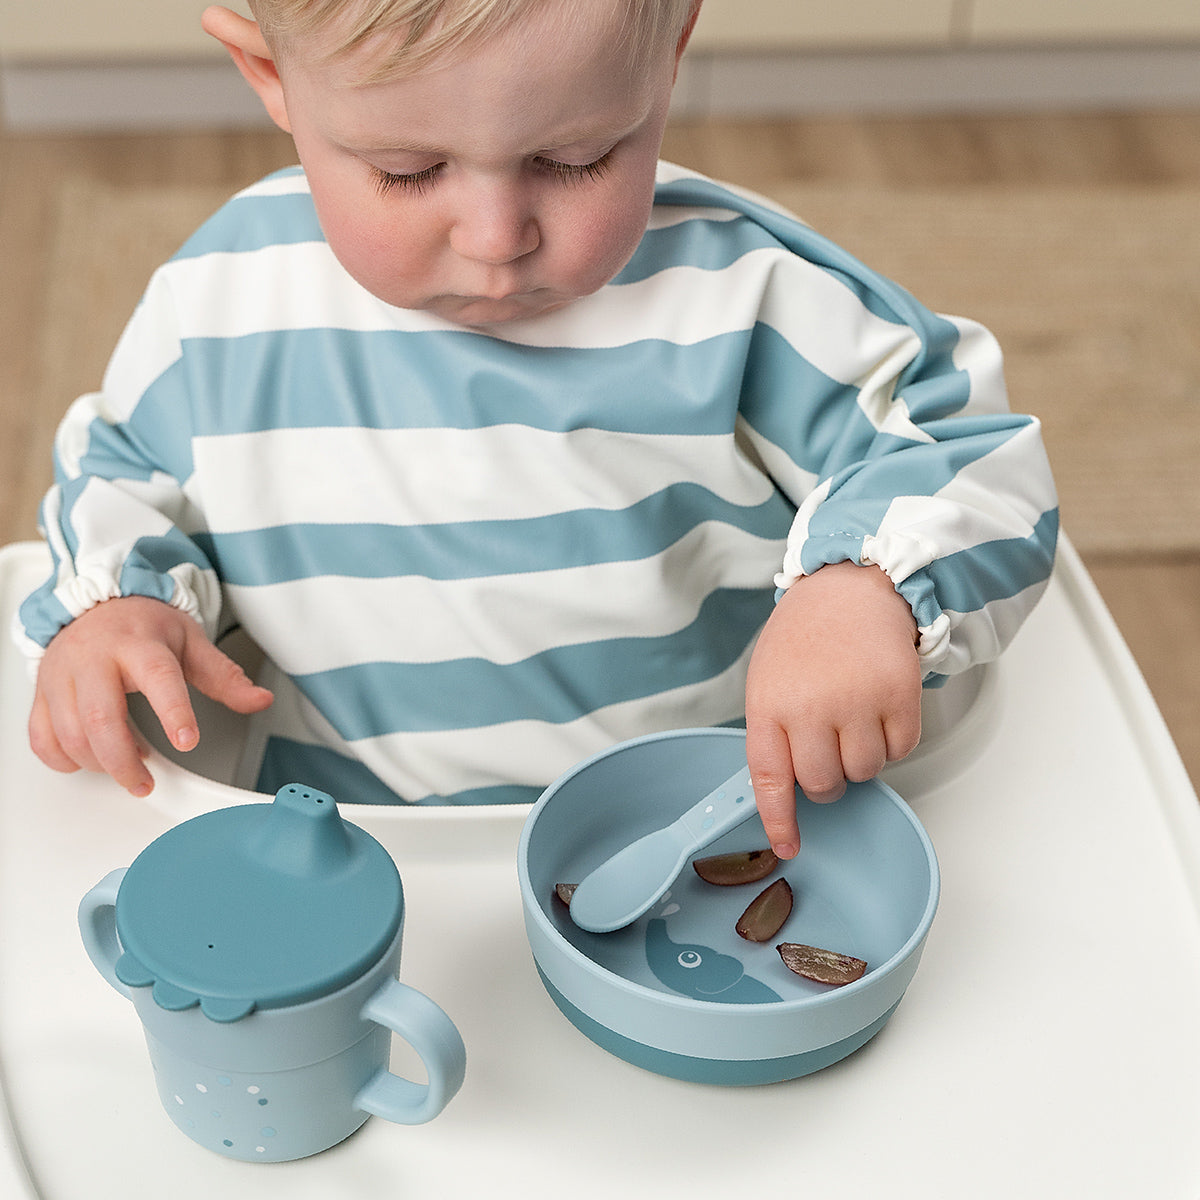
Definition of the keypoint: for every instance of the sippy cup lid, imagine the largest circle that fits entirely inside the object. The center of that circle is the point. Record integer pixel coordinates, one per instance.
(257, 906)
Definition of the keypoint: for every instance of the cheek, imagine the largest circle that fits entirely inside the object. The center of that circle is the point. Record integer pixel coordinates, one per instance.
(364, 240)
(602, 239)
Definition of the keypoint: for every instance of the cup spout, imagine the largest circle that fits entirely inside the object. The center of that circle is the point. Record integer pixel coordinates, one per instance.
(303, 834)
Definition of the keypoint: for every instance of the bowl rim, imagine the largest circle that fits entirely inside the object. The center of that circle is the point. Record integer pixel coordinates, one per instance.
(873, 979)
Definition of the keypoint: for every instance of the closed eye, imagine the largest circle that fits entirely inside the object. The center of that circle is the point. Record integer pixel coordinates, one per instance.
(576, 173)
(417, 182)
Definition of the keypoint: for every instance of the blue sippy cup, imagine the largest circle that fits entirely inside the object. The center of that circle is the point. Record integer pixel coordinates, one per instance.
(260, 946)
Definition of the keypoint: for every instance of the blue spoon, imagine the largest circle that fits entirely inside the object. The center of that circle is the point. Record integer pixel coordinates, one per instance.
(624, 886)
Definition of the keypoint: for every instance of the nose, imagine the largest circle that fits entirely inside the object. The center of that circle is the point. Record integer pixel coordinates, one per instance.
(495, 225)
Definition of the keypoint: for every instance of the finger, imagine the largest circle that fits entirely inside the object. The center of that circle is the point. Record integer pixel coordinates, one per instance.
(770, 760)
(43, 740)
(104, 719)
(863, 751)
(221, 679)
(67, 727)
(817, 762)
(159, 677)
(902, 734)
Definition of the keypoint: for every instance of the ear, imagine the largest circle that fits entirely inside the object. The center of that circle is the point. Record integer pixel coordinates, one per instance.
(252, 56)
(686, 35)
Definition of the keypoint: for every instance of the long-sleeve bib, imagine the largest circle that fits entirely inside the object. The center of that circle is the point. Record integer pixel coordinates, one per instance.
(477, 557)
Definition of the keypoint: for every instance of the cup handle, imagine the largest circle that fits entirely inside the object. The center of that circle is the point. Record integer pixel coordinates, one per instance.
(434, 1037)
(98, 928)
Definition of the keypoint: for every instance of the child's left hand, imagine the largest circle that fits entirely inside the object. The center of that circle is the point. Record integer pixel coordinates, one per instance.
(833, 693)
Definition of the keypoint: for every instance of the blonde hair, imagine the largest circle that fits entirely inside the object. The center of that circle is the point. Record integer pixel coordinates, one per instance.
(415, 32)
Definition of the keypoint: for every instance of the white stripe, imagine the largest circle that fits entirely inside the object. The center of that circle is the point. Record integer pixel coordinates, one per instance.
(147, 347)
(278, 287)
(978, 353)
(107, 520)
(424, 476)
(664, 216)
(975, 637)
(979, 504)
(414, 619)
(73, 436)
(292, 184)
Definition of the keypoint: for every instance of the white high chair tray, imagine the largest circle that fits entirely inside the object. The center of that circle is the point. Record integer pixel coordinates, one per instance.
(1049, 1045)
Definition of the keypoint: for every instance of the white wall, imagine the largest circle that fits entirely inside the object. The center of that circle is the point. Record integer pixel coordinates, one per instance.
(102, 64)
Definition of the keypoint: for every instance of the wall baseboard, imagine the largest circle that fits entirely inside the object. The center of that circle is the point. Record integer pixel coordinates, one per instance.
(1003, 79)
(112, 96)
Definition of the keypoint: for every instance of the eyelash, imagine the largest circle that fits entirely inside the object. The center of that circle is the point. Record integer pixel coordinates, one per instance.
(418, 181)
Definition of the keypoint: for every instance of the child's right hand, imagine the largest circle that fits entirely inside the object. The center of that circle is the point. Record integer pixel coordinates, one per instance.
(130, 644)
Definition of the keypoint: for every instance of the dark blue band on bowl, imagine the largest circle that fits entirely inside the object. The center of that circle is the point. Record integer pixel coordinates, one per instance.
(729, 1072)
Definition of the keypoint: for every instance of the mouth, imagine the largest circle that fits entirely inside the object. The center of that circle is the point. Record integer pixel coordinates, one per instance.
(495, 310)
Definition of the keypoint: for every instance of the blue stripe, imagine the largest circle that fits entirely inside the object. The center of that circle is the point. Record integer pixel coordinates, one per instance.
(156, 437)
(144, 572)
(42, 614)
(110, 454)
(160, 428)
(555, 686)
(970, 579)
(822, 421)
(891, 467)
(460, 380)
(707, 244)
(69, 491)
(248, 223)
(474, 549)
(348, 781)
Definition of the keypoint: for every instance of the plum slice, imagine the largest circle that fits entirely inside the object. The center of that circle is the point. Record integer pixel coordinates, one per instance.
(821, 966)
(766, 913)
(739, 866)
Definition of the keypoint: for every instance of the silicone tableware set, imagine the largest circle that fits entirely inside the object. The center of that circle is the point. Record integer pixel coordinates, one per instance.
(260, 944)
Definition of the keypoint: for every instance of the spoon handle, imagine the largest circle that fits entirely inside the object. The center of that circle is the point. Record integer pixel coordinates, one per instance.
(725, 807)
(624, 886)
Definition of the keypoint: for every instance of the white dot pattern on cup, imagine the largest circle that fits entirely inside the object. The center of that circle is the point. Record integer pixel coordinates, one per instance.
(229, 1116)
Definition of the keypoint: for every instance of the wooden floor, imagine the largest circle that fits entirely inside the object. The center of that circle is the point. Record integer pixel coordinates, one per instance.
(1156, 602)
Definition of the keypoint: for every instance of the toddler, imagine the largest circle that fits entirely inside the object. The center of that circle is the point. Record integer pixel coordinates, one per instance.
(505, 441)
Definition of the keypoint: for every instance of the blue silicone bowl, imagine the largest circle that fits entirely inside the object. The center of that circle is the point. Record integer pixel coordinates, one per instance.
(679, 992)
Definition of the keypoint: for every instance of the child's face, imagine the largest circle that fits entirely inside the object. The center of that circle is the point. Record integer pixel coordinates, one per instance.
(500, 184)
